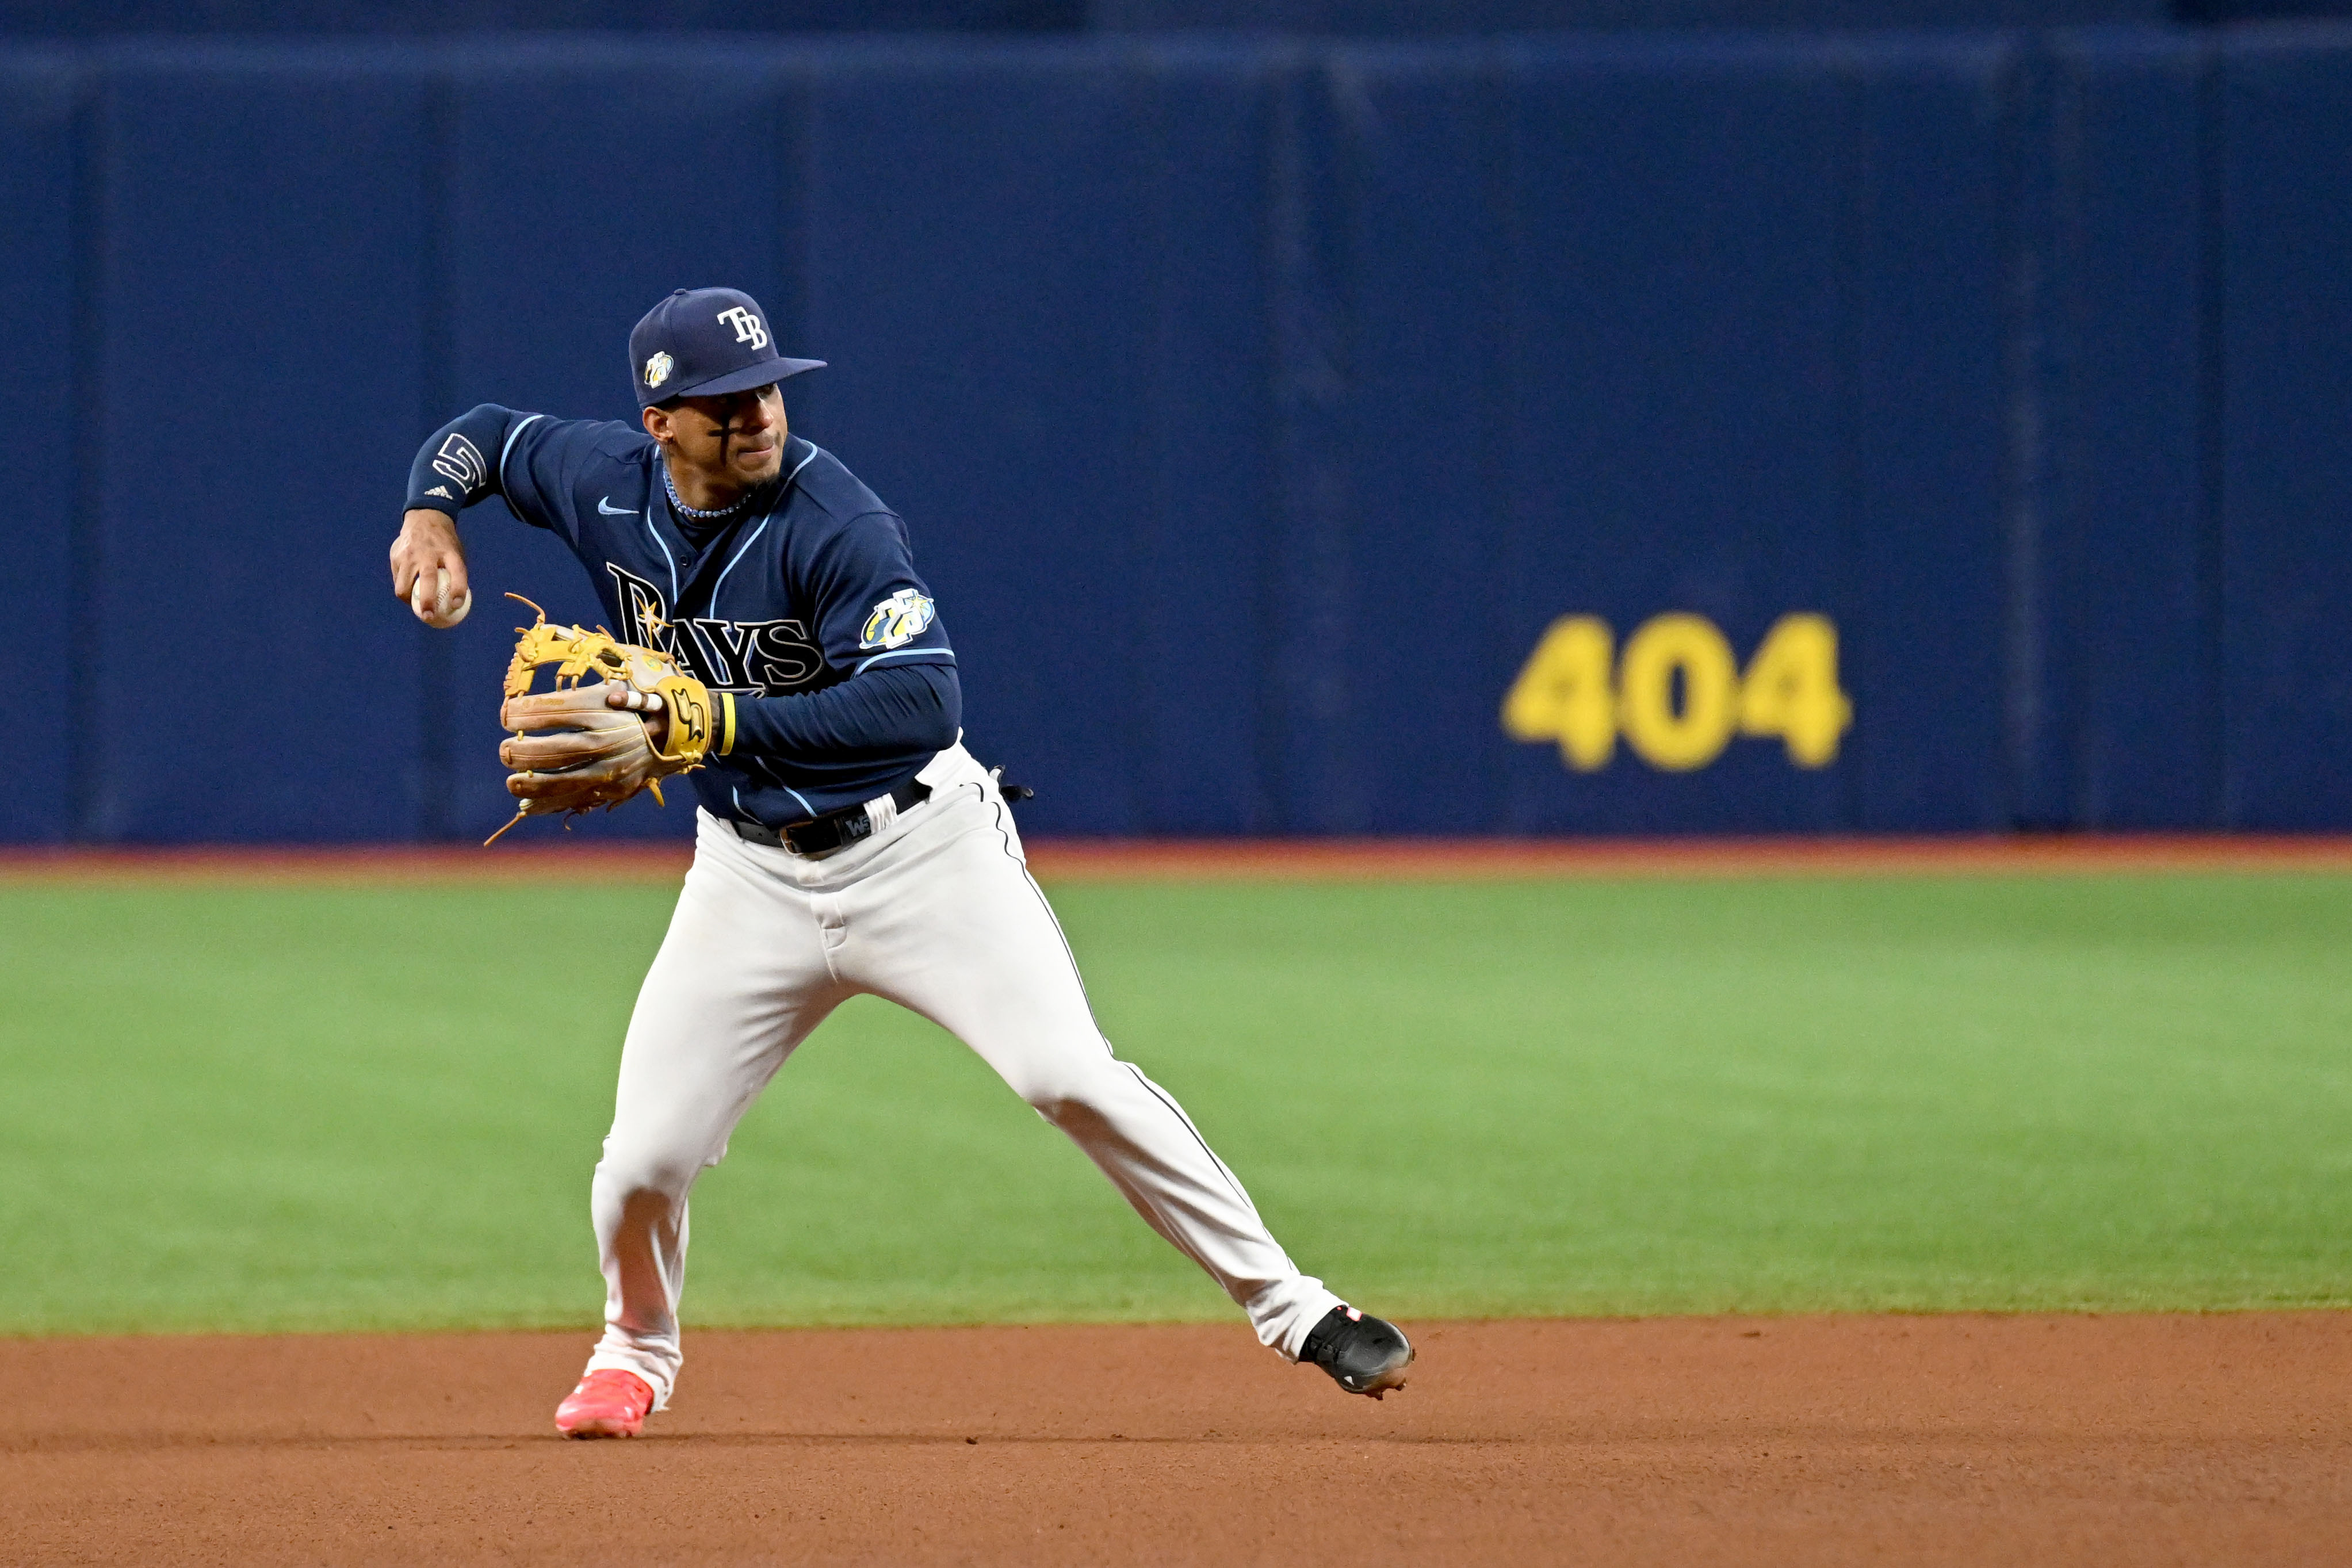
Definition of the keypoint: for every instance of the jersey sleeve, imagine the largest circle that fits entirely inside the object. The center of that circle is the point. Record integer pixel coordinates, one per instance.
(892, 709)
(871, 610)
(540, 467)
(453, 470)
(529, 460)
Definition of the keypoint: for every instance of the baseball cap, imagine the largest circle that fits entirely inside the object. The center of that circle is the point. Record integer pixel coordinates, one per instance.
(704, 342)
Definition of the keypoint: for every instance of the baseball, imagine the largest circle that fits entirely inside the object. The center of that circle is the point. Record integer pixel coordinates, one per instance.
(439, 612)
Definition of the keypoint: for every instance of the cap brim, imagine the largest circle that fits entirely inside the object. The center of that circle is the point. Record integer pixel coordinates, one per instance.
(750, 376)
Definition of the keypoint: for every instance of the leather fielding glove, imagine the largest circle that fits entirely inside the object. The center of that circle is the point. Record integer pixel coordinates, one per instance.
(570, 748)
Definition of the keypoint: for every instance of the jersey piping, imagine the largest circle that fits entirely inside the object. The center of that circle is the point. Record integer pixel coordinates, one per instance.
(664, 549)
(740, 551)
(904, 653)
(512, 436)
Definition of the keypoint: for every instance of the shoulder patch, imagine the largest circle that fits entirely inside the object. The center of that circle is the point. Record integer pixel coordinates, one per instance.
(896, 620)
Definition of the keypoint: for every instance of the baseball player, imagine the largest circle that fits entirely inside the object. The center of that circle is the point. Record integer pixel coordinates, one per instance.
(846, 842)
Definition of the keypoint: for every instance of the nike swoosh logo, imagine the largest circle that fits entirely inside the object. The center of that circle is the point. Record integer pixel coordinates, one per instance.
(602, 505)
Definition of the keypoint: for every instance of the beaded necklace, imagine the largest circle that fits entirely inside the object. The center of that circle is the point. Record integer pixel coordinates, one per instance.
(696, 512)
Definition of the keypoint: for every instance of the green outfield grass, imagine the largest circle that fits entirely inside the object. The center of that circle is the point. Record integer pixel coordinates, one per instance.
(263, 1108)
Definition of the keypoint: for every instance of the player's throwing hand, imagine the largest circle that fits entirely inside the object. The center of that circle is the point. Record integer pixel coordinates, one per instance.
(428, 569)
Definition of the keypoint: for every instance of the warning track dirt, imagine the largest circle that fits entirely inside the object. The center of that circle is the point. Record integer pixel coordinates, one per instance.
(1711, 1441)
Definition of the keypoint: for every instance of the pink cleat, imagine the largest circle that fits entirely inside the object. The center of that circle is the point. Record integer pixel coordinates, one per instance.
(607, 1403)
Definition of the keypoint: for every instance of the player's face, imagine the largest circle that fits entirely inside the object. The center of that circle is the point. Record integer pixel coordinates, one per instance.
(737, 439)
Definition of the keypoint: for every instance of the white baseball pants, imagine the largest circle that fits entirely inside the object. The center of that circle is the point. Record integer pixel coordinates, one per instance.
(937, 912)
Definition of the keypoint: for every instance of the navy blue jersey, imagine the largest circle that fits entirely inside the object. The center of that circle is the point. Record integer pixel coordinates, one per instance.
(809, 585)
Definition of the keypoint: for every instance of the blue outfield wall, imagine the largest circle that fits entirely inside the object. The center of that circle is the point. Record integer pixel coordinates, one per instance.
(1620, 435)
(47, 555)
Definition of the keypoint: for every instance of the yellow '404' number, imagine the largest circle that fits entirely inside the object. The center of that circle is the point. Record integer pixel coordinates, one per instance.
(1678, 695)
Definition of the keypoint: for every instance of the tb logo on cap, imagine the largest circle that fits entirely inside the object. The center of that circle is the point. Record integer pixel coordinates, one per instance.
(749, 328)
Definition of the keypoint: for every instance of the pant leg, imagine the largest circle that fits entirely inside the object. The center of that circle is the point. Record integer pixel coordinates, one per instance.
(947, 923)
(740, 980)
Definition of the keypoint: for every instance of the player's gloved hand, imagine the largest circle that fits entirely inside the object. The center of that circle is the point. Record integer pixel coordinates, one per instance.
(570, 750)
(646, 704)
(596, 742)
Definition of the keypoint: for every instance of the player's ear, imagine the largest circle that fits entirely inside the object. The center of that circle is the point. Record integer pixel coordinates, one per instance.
(657, 423)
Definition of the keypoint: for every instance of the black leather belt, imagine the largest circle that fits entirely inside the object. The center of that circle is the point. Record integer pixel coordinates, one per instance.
(832, 830)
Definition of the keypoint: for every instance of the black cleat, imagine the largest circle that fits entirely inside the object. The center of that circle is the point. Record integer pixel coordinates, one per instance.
(1363, 1353)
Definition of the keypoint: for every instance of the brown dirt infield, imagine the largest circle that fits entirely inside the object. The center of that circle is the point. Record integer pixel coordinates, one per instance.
(2221, 1439)
(584, 857)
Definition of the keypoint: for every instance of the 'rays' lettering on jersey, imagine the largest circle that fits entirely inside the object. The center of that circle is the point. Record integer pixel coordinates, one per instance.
(760, 658)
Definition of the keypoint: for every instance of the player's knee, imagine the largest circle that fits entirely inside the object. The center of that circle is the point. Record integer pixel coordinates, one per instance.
(635, 1174)
(1049, 1102)
(1075, 1093)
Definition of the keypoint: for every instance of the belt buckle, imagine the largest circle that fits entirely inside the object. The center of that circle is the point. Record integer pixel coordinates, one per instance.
(847, 830)
(756, 833)
(840, 834)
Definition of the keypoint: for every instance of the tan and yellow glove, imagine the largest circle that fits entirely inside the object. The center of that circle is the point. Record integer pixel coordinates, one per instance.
(571, 750)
